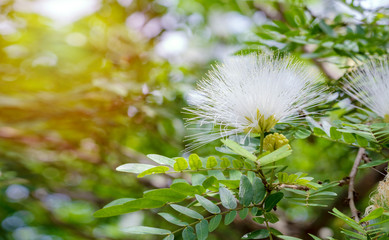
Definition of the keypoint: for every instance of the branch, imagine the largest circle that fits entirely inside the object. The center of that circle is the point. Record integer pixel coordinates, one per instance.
(351, 190)
(297, 187)
(364, 187)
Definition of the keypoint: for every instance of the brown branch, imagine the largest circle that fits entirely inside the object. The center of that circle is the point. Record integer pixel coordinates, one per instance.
(364, 187)
(351, 189)
(297, 187)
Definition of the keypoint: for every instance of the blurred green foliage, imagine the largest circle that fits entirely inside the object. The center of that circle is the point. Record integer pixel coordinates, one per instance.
(79, 99)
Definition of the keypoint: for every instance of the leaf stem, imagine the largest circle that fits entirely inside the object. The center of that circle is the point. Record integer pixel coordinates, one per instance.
(268, 228)
(350, 144)
(259, 170)
(212, 215)
(208, 169)
(262, 140)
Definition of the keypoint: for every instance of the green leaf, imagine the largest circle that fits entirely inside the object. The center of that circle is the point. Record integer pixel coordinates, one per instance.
(172, 219)
(299, 192)
(237, 164)
(127, 207)
(180, 164)
(202, 230)
(186, 211)
(144, 203)
(198, 179)
(169, 237)
(353, 234)
(188, 234)
(309, 204)
(335, 134)
(211, 162)
(278, 154)
(380, 222)
(218, 174)
(272, 200)
(327, 29)
(292, 178)
(161, 159)
(225, 162)
(324, 193)
(186, 188)
(314, 237)
(227, 198)
(257, 234)
(154, 170)
(214, 223)
(229, 218)
(348, 137)
(365, 133)
(211, 183)
(208, 205)
(235, 175)
(374, 163)
(271, 217)
(290, 17)
(246, 192)
(376, 213)
(236, 148)
(361, 141)
(134, 167)
(254, 211)
(146, 230)
(195, 162)
(259, 190)
(319, 132)
(282, 177)
(302, 133)
(243, 213)
(288, 237)
(282, 27)
(351, 222)
(275, 231)
(119, 201)
(259, 220)
(249, 164)
(232, 184)
(165, 195)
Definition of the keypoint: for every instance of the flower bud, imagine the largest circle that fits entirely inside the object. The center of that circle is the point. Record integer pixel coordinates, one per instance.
(274, 141)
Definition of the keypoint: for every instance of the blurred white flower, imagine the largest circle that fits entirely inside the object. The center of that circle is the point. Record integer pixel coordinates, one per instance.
(250, 94)
(369, 84)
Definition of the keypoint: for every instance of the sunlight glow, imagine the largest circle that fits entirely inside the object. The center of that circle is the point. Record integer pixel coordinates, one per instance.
(63, 12)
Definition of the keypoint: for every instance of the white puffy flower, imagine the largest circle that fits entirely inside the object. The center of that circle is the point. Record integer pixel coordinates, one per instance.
(369, 84)
(250, 94)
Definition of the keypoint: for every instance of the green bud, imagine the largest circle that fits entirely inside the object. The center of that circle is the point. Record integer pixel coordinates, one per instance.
(274, 141)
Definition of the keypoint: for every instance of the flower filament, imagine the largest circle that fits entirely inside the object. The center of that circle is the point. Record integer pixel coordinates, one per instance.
(260, 124)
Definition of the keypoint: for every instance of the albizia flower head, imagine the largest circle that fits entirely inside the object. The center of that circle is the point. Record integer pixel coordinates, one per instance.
(369, 84)
(251, 94)
(381, 197)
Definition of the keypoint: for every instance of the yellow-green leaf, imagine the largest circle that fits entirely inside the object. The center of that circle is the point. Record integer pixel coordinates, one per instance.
(154, 170)
(195, 162)
(180, 164)
(211, 162)
(236, 148)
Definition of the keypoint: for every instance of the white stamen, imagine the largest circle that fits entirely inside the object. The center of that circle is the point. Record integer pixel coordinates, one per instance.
(369, 84)
(243, 89)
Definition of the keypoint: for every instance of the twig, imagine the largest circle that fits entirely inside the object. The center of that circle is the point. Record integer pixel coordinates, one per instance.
(364, 186)
(297, 187)
(351, 190)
